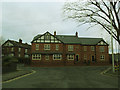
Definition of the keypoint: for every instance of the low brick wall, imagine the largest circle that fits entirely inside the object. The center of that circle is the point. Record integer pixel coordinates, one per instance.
(10, 68)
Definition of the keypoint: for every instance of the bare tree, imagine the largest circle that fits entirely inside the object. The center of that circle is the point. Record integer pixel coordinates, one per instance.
(103, 13)
(2, 40)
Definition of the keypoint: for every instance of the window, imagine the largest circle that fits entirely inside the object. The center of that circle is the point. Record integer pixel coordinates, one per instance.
(47, 47)
(85, 57)
(37, 46)
(57, 47)
(70, 47)
(85, 48)
(47, 37)
(102, 57)
(26, 50)
(12, 49)
(57, 56)
(36, 57)
(92, 48)
(7, 49)
(11, 54)
(70, 57)
(19, 55)
(101, 48)
(47, 57)
(19, 49)
(26, 56)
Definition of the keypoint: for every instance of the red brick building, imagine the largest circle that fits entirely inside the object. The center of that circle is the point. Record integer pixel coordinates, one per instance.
(48, 49)
(16, 49)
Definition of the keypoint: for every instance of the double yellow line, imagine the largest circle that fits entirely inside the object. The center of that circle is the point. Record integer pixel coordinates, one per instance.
(33, 71)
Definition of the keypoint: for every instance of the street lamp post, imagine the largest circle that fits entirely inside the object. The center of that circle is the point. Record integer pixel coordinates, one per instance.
(112, 42)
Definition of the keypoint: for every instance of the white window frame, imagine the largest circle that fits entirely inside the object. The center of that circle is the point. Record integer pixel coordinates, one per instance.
(92, 48)
(19, 49)
(56, 56)
(36, 57)
(102, 49)
(46, 57)
(19, 55)
(85, 57)
(102, 57)
(85, 48)
(70, 57)
(12, 54)
(57, 47)
(70, 47)
(26, 50)
(12, 49)
(37, 47)
(26, 55)
(46, 46)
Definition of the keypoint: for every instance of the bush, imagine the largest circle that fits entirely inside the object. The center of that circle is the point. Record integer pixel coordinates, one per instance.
(9, 64)
(7, 61)
(24, 60)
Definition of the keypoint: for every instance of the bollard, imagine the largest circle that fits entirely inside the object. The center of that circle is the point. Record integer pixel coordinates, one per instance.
(118, 67)
(115, 68)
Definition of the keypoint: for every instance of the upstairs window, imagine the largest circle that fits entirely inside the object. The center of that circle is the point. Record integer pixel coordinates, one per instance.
(101, 48)
(70, 47)
(47, 47)
(92, 48)
(85, 48)
(57, 47)
(47, 37)
(19, 49)
(85, 57)
(26, 50)
(12, 49)
(37, 46)
(102, 57)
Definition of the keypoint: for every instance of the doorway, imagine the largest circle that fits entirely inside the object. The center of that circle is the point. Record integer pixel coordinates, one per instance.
(93, 58)
(77, 57)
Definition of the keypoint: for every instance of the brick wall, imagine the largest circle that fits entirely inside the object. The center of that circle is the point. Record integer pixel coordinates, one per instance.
(78, 50)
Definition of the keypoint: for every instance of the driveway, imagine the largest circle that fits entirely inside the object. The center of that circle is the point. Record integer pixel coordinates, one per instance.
(65, 77)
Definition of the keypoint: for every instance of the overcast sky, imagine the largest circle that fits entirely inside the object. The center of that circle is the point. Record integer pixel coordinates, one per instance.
(27, 19)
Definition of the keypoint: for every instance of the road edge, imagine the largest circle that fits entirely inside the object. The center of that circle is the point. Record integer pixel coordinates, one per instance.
(107, 74)
(20, 76)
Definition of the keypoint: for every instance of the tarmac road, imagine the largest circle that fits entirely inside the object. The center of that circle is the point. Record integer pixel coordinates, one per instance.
(65, 77)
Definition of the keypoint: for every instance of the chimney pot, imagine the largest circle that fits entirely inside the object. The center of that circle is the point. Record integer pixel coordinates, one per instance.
(54, 33)
(20, 41)
(76, 34)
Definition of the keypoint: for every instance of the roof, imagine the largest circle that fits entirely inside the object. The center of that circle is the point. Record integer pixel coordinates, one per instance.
(76, 40)
(72, 39)
(45, 52)
(15, 43)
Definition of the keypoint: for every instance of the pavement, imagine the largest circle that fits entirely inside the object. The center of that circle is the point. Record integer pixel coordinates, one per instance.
(19, 73)
(109, 72)
(65, 77)
(12, 75)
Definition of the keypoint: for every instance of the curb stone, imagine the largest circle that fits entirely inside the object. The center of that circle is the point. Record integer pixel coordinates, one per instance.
(104, 72)
(19, 76)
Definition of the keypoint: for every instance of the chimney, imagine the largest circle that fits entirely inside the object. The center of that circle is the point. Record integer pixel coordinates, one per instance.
(54, 33)
(20, 41)
(76, 34)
